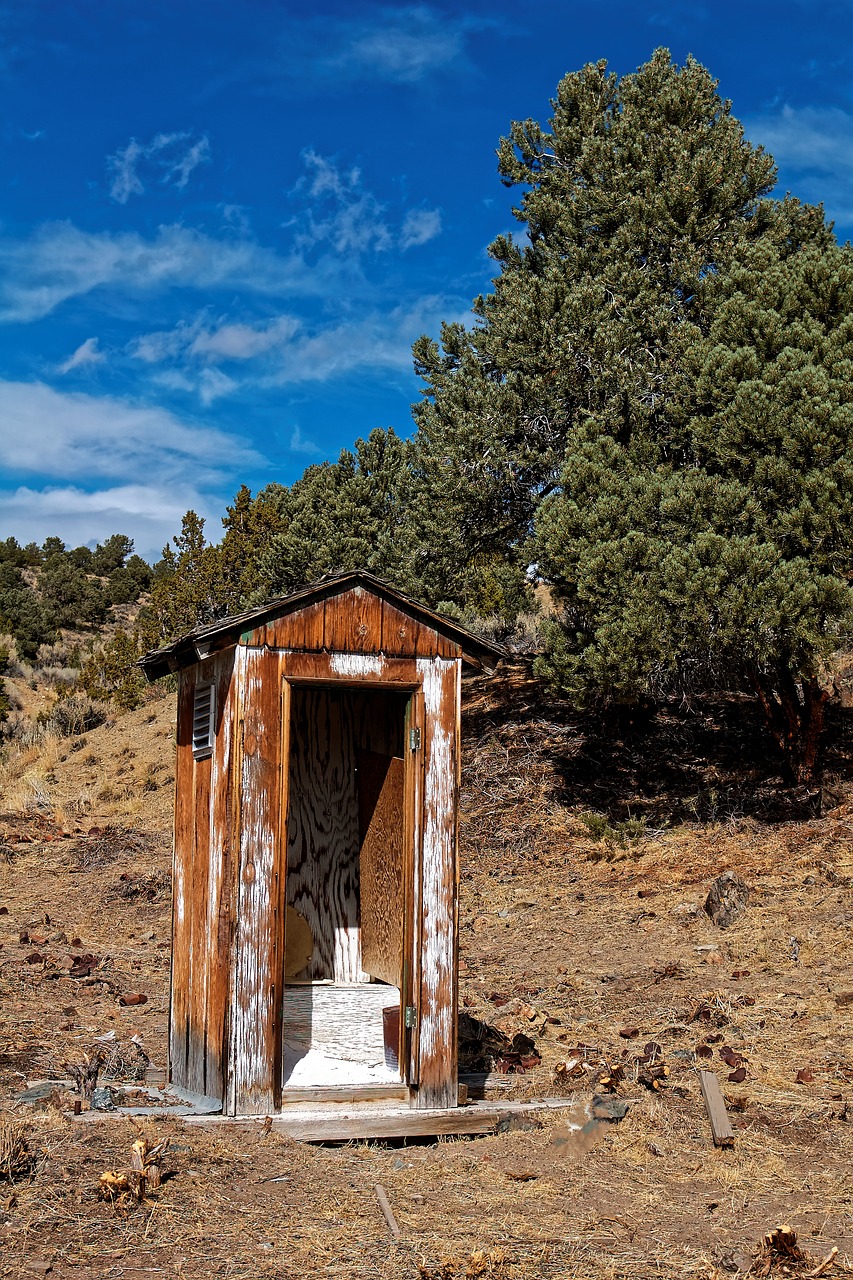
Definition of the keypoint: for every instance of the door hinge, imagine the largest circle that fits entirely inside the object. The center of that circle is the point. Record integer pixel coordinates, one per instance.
(409, 1016)
(414, 739)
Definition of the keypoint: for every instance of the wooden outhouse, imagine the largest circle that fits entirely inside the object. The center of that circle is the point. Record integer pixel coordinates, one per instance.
(315, 861)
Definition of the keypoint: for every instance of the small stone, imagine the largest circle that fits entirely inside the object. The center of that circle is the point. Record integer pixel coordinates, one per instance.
(727, 899)
(611, 1109)
(102, 1100)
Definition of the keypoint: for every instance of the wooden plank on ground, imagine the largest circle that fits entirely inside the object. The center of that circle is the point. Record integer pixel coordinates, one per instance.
(344, 1095)
(721, 1127)
(410, 1124)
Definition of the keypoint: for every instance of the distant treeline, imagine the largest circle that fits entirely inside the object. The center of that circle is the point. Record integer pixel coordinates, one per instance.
(46, 588)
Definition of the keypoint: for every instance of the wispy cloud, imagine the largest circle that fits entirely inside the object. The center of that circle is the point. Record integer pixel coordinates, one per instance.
(59, 261)
(88, 453)
(420, 226)
(204, 341)
(71, 435)
(169, 157)
(287, 352)
(340, 212)
(813, 147)
(343, 213)
(401, 45)
(86, 354)
(298, 443)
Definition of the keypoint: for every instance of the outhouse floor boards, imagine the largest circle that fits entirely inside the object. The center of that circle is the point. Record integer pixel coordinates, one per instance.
(332, 1035)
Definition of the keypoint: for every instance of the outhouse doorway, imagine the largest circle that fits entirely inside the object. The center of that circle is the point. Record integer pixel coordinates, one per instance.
(349, 833)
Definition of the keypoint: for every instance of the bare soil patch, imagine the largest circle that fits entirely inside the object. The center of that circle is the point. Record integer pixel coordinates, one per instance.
(593, 943)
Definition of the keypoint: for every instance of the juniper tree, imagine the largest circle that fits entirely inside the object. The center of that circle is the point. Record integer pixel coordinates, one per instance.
(732, 535)
(640, 188)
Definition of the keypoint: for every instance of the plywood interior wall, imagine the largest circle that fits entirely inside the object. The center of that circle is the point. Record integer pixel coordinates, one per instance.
(331, 729)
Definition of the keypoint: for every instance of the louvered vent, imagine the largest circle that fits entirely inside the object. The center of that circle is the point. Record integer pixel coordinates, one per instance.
(203, 712)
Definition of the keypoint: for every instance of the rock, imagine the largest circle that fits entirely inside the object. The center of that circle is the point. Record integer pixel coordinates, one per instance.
(727, 899)
(102, 1100)
(40, 1091)
(612, 1109)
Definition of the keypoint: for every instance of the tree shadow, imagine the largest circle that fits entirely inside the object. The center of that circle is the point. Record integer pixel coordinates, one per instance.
(706, 761)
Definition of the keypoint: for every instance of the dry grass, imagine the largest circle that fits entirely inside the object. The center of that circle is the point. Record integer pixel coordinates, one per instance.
(558, 943)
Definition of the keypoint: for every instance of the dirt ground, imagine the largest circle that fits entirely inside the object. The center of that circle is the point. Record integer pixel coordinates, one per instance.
(587, 853)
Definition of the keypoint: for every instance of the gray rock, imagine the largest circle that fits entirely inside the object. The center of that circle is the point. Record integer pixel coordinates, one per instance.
(607, 1108)
(727, 899)
(102, 1100)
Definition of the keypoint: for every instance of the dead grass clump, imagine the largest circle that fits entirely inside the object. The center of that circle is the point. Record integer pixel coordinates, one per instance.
(492, 1264)
(105, 845)
(17, 1161)
(134, 888)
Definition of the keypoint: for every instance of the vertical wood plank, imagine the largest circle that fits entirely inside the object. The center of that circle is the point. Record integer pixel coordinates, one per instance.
(354, 622)
(437, 1079)
(221, 882)
(256, 1014)
(400, 632)
(412, 877)
(199, 958)
(300, 630)
(181, 884)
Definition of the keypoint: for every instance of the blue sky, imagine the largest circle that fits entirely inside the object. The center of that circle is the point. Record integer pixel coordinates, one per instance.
(223, 226)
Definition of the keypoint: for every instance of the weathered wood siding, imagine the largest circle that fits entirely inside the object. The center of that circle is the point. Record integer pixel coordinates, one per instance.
(354, 621)
(259, 962)
(203, 889)
(437, 946)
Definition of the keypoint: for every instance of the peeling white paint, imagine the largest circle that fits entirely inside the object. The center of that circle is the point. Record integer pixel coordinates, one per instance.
(356, 664)
(436, 1028)
(253, 1012)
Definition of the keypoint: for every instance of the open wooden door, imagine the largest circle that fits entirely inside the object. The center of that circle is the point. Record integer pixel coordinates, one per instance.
(381, 865)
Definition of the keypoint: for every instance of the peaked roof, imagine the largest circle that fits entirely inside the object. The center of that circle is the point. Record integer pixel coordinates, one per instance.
(203, 641)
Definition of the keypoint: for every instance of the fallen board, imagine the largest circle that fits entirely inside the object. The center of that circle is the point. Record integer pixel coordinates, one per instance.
(721, 1127)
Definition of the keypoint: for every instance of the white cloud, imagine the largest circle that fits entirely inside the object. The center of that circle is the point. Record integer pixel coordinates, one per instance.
(171, 156)
(289, 352)
(402, 45)
(86, 353)
(299, 444)
(377, 340)
(72, 435)
(149, 514)
(419, 226)
(180, 169)
(88, 453)
(346, 215)
(125, 180)
(213, 383)
(243, 341)
(407, 44)
(813, 147)
(59, 261)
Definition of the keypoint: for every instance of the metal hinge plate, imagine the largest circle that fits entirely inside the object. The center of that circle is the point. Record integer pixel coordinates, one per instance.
(409, 1016)
(414, 739)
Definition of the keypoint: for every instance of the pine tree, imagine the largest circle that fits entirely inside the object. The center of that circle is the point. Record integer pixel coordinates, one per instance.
(730, 538)
(640, 191)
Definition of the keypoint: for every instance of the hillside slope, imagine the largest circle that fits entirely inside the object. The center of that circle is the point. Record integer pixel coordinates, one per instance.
(587, 853)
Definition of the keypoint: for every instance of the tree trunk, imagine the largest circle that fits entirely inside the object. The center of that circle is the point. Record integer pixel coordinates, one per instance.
(795, 713)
